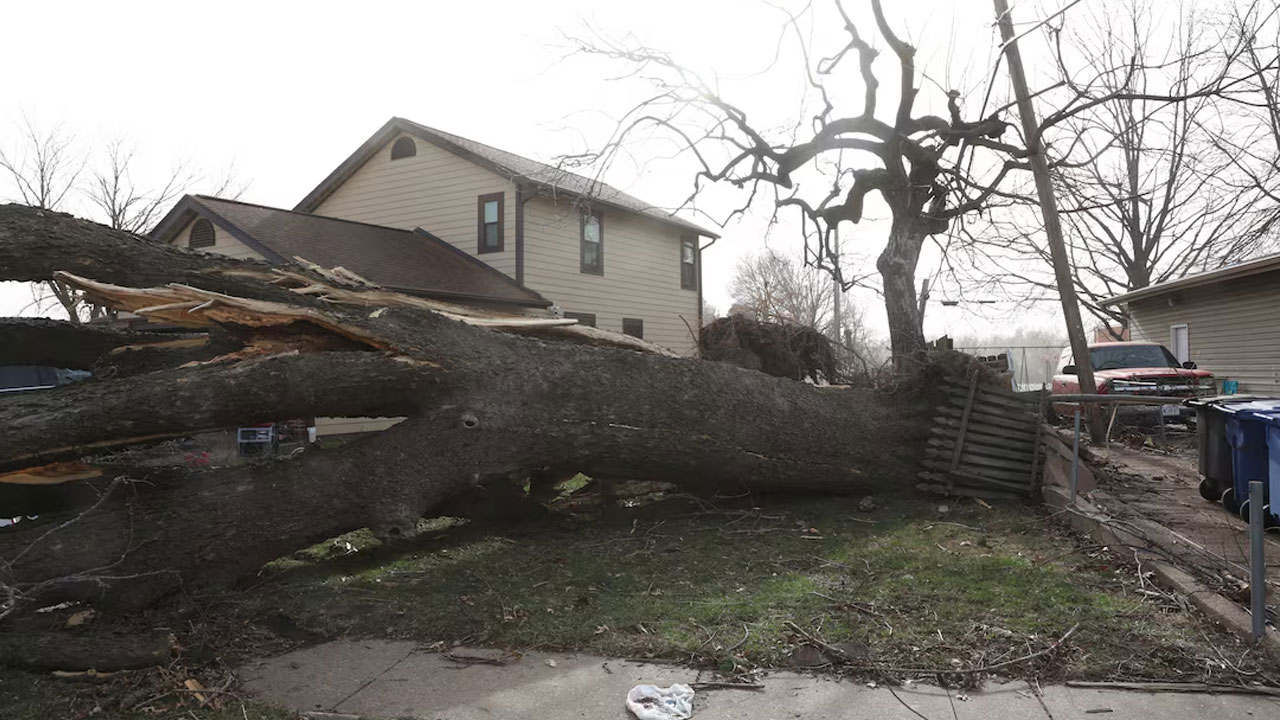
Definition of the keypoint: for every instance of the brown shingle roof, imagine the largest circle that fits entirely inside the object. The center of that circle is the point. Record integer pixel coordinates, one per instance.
(501, 162)
(412, 261)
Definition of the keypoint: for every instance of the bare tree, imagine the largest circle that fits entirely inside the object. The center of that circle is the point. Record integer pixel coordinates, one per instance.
(1151, 189)
(44, 169)
(776, 288)
(773, 287)
(915, 163)
(45, 166)
(123, 205)
(933, 174)
(47, 171)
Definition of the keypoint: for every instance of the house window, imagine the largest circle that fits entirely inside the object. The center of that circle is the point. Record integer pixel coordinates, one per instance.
(588, 319)
(489, 222)
(688, 263)
(592, 243)
(403, 148)
(201, 234)
(633, 327)
(1180, 342)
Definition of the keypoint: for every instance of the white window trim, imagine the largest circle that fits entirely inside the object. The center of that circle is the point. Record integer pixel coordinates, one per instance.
(1173, 345)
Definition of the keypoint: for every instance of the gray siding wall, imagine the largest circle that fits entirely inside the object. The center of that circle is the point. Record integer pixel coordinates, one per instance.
(1233, 328)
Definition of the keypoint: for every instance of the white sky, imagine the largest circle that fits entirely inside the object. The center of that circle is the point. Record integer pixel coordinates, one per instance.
(284, 91)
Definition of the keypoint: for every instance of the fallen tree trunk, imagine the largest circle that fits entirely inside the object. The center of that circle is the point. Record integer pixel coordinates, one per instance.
(483, 407)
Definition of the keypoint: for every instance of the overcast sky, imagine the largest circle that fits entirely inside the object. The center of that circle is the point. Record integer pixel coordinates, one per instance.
(282, 91)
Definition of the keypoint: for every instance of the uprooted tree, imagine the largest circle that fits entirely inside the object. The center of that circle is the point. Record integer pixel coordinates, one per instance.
(489, 401)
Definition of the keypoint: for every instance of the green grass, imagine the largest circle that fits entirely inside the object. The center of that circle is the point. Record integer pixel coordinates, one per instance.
(903, 585)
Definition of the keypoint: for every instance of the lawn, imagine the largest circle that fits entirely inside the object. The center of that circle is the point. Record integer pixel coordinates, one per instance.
(904, 585)
(913, 583)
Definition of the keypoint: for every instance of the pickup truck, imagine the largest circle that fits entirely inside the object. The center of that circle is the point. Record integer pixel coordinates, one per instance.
(1135, 368)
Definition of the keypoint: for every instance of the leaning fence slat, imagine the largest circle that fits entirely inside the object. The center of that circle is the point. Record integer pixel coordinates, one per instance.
(978, 447)
(1035, 460)
(964, 424)
(976, 435)
(1010, 421)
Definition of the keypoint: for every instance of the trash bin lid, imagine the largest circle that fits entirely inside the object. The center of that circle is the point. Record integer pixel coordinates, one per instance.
(1267, 411)
(1256, 406)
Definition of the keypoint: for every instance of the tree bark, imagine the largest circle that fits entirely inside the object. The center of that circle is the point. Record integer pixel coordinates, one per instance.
(483, 407)
(897, 266)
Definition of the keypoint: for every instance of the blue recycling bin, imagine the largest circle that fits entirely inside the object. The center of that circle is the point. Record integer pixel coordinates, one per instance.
(1271, 421)
(1247, 436)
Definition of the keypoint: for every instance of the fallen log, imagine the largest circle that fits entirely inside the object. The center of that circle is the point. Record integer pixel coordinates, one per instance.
(483, 406)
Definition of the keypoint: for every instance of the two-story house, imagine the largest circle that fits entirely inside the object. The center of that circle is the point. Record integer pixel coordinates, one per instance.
(425, 212)
(597, 254)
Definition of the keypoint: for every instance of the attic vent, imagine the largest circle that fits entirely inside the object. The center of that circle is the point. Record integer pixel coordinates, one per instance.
(403, 148)
(201, 234)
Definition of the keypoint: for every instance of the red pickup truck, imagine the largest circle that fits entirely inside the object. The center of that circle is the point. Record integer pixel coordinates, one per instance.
(1135, 368)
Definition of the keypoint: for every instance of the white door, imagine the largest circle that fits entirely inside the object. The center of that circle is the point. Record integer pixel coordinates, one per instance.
(1179, 342)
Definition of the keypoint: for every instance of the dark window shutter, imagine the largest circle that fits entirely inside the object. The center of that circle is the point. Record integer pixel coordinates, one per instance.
(201, 234)
(633, 327)
(403, 148)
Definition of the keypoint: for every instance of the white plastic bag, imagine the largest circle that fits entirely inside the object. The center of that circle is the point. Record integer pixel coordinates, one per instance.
(649, 702)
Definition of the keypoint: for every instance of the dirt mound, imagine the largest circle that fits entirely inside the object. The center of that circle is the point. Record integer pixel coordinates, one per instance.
(779, 349)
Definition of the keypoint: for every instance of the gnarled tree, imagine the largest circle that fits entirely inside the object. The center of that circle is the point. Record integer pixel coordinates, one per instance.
(489, 400)
(920, 165)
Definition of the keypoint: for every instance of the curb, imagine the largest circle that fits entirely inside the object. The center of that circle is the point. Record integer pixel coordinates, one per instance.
(1088, 519)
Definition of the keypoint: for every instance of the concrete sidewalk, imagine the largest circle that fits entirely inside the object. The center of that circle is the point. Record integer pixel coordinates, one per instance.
(380, 679)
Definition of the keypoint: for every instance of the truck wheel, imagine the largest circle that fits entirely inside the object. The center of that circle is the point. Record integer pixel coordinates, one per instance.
(1229, 501)
(1207, 491)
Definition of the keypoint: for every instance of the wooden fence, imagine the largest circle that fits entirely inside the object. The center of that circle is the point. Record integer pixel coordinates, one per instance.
(985, 443)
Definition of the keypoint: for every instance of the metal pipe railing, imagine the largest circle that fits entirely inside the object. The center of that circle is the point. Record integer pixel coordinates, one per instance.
(1120, 399)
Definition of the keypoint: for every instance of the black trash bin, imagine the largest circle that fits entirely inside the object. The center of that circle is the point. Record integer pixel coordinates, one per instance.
(1213, 450)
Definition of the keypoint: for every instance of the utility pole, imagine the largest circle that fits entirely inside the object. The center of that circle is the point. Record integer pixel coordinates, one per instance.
(1049, 209)
(836, 291)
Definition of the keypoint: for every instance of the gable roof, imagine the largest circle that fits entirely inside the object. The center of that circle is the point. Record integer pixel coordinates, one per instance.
(412, 261)
(500, 162)
(1230, 272)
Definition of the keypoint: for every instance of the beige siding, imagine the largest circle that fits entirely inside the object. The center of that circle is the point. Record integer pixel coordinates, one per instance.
(328, 426)
(223, 243)
(641, 272)
(1233, 328)
(435, 190)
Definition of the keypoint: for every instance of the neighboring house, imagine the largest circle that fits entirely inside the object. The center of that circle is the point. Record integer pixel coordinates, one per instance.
(1225, 320)
(602, 256)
